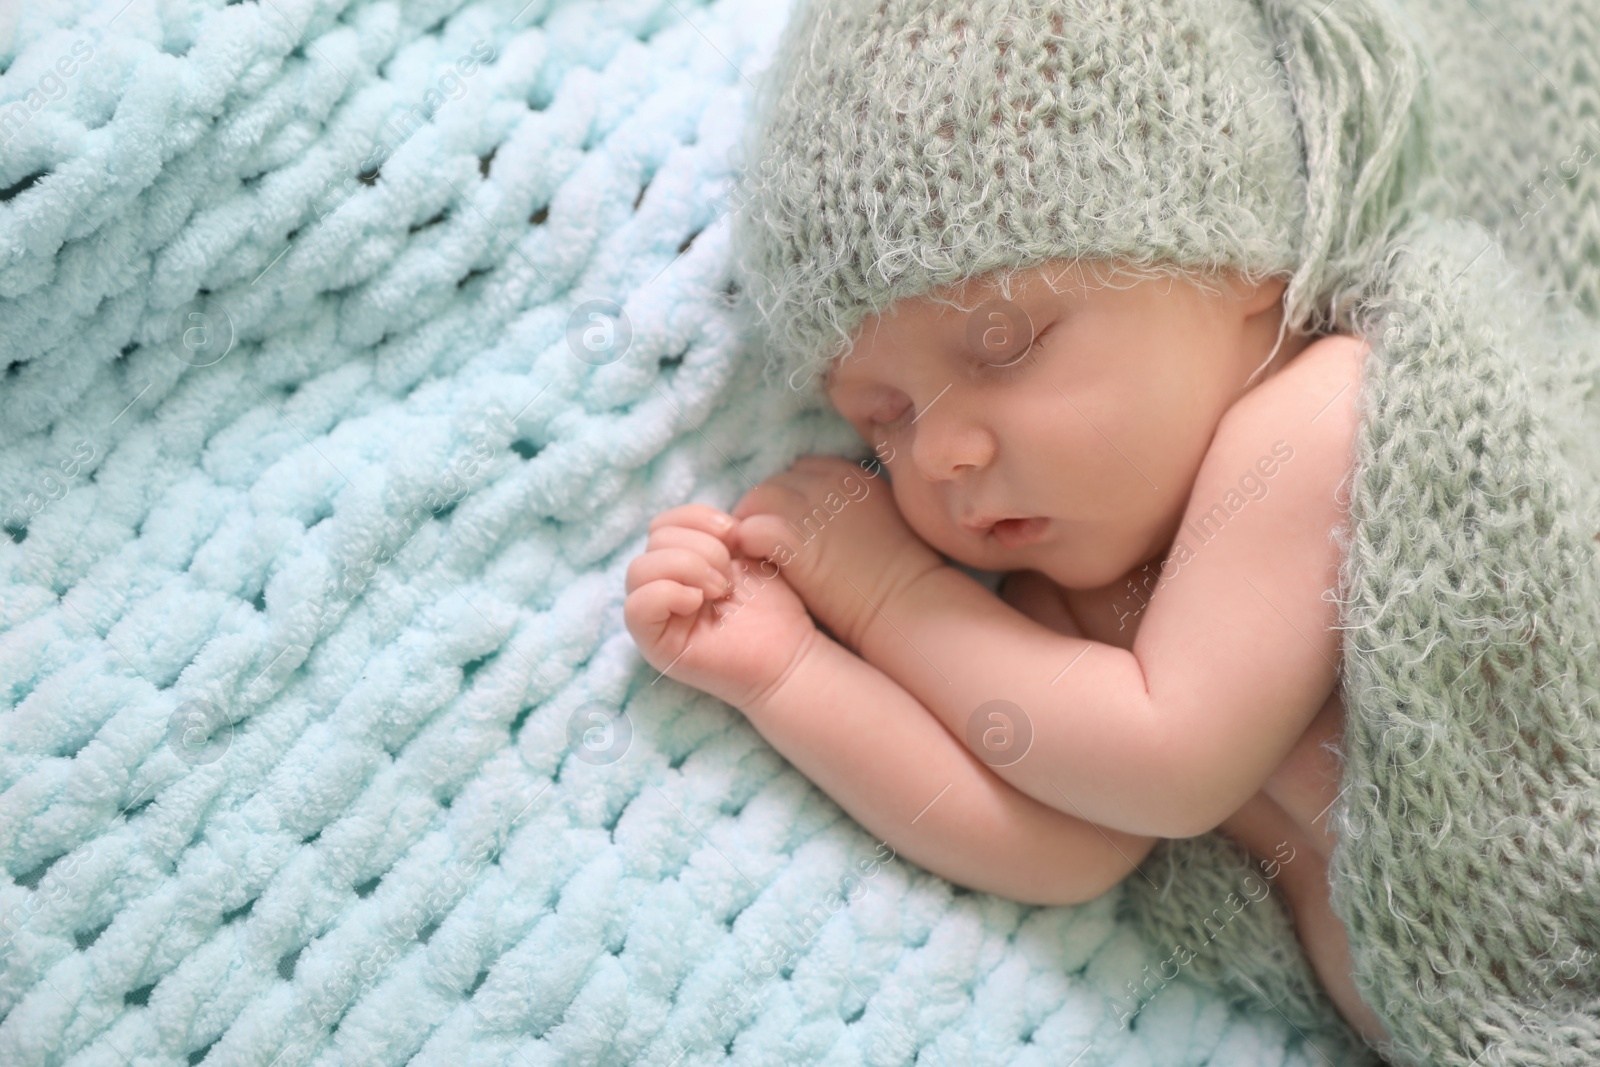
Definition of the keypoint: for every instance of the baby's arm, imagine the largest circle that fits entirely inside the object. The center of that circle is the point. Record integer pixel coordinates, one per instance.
(875, 750)
(712, 620)
(1236, 653)
(1234, 657)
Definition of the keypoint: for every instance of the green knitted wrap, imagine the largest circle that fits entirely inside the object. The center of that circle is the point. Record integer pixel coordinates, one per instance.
(900, 146)
(1468, 866)
(1469, 818)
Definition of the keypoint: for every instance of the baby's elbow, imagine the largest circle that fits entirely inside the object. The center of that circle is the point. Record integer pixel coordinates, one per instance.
(1185, 800)
(1197, 813)
(1065, 900)
(1064, 893)
(1062, 886)
(1088, 881)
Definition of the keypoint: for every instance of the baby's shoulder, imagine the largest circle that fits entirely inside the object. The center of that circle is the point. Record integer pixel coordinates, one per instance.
(1318, 388)
(1308, 413)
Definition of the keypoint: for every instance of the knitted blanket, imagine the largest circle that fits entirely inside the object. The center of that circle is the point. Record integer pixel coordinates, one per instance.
(348, 348)
(1469, 810)
(321, 738)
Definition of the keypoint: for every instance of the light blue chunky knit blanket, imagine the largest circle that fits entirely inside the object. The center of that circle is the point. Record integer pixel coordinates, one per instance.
(322, 740)
(346, 350)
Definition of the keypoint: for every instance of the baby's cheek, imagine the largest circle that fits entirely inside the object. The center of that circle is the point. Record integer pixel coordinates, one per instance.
(930, 522)
(910, 509)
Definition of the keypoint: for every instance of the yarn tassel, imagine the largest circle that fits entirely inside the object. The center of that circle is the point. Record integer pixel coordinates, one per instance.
(1361, 89)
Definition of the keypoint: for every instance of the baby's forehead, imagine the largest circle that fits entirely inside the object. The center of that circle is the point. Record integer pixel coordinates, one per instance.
(1022, 300)
(1016, 299)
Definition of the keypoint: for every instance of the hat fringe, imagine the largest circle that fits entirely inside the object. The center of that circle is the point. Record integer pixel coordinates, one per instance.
(1362, 93)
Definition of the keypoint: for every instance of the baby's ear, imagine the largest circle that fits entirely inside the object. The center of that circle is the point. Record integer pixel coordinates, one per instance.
(1360, 79)
(1254, 297)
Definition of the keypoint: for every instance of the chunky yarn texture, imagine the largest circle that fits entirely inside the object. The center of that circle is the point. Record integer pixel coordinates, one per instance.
(377, 551)
(904, 145)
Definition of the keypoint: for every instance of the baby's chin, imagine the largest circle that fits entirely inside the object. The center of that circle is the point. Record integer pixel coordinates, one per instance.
(982, 554)
(1074, 555)
(1069, 566)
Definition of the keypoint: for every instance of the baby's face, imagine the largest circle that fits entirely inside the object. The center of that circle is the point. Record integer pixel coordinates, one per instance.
(1096, 434)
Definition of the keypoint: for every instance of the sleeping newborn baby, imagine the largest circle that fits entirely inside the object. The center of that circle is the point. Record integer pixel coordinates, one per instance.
(1038, 744)
(1096, 331)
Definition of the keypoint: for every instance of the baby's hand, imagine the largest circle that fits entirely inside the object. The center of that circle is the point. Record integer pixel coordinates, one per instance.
(708, 618)
(838, 538)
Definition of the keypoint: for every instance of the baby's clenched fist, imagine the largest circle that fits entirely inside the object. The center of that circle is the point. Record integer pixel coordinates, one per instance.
(707, 616)
(838, 537)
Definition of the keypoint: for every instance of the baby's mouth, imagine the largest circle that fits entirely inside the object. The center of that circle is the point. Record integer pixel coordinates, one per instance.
(1014, 533)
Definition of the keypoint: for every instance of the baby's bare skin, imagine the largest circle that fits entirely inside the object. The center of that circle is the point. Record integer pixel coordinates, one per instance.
(1199, 704)
(1290, 810)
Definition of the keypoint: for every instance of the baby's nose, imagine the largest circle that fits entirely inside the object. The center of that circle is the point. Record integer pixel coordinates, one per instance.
(949, 443)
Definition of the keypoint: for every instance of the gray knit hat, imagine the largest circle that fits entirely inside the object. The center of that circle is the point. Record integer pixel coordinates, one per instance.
(897, 146)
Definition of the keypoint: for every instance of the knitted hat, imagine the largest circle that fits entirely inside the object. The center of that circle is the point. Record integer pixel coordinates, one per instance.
(898, 146)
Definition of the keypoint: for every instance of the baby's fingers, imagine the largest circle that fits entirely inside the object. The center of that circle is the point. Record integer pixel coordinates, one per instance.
(712, 549)
(681, 565)
(701, 517)
(655, 603)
